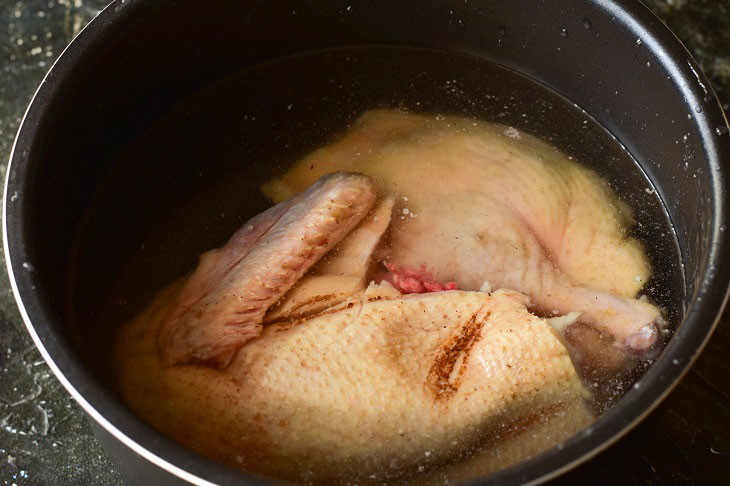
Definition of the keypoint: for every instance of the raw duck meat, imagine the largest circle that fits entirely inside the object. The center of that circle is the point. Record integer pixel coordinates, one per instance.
(341, 273)
(223, 302)
(381, 383)
(341, 349)
(480, 202)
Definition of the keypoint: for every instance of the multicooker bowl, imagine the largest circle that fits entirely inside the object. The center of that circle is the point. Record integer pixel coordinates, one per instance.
(138, 58)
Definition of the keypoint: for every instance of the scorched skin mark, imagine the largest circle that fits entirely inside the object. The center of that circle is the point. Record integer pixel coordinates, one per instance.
(455, 352)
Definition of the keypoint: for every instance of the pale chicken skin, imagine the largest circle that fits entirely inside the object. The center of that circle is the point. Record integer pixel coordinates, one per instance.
(485, 206)
(380, 384)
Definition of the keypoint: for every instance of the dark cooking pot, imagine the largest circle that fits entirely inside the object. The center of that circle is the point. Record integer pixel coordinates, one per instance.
(138, 58)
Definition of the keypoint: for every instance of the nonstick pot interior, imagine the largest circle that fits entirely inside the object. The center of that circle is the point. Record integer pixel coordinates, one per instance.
(139, 58)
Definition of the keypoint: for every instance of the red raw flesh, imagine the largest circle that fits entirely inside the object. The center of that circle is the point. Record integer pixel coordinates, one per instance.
(410, 280)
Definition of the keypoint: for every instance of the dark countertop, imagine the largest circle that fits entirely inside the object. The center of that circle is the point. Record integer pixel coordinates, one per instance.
(45, 439)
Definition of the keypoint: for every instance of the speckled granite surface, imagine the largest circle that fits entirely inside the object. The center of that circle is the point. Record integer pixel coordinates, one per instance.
(44, 438)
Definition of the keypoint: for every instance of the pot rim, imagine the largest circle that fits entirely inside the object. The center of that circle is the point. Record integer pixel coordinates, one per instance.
(675, 360)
